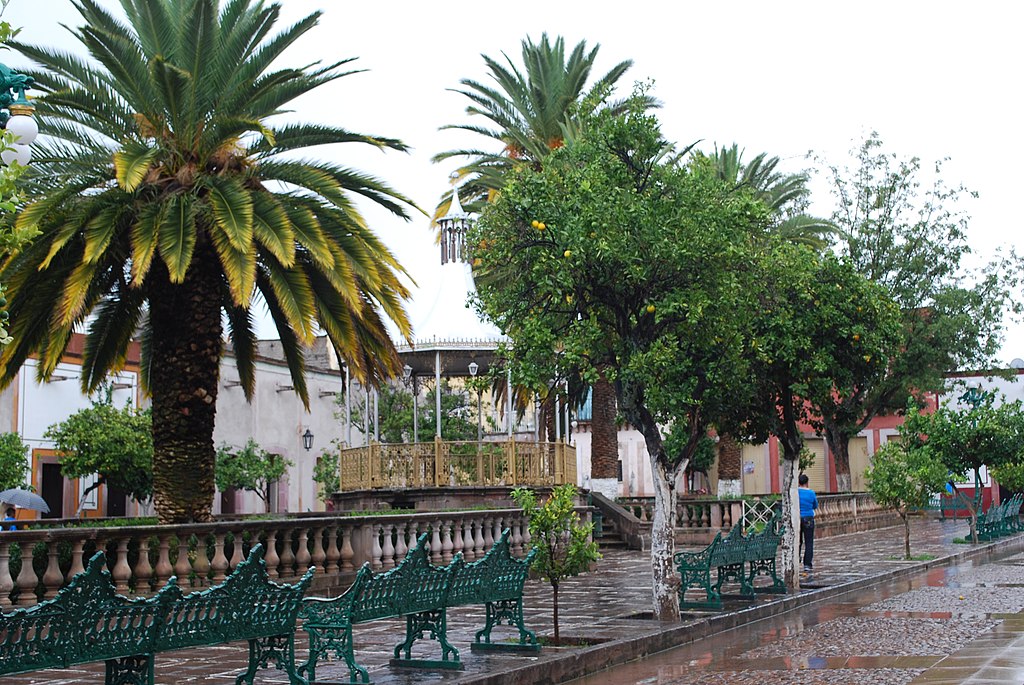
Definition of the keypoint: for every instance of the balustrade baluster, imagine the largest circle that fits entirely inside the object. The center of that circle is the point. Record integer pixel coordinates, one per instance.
(478, 540)
(122, 572)
(525, 526)
(497, 528)
(446, 541)
(182, 564)
(333, 553)
(435, 542)
(143, 569)
(458, 543)
(387, 549)
(271, 558)
(375, 550)
(488, 526)
(52, 577)
(517, 537)
(302, 556)
(163, 569)
(201, 565)
(401, 546)
(6, 582)
(319, 556)
(468, 542)
(237, 549)
(347, 553)
(412, 534)
(287, 568)
(219, 564)
(27, 579)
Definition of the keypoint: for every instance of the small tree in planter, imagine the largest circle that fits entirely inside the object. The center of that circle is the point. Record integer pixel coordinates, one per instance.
(904, 476)
(564, 547)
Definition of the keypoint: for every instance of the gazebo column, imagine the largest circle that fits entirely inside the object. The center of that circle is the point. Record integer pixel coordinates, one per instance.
(437, 391)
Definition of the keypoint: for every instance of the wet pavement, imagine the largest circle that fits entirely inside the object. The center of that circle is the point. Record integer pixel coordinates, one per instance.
(931, 624)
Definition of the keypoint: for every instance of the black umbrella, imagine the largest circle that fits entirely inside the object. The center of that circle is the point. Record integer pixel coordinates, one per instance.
(25, 500)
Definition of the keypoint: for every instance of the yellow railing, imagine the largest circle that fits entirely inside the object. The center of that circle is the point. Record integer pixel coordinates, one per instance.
(465, 463)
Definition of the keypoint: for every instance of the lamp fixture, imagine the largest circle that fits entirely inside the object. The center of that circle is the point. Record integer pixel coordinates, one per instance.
(307, 440)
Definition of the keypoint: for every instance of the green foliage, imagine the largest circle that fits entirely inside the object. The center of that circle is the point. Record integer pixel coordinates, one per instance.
(562, 541)
(249, 468)
(911, 239)
(115, 444)
(1010, 475)
(903, 475)
(14, 463)
(614, 256)
(326, 475)
(530, 112)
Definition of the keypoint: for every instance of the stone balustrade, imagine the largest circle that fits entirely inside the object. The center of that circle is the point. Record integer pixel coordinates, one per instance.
(699, 518)
(144, 557)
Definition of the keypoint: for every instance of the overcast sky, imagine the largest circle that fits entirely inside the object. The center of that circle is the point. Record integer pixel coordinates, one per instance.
(935, 79)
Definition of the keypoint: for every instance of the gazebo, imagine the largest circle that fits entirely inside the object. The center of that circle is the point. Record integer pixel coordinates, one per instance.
(450, 341)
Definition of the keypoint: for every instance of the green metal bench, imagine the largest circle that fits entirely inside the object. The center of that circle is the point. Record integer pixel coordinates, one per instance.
(1002, 519)
(87, 621)
(496, 581)
(734, 558)
(247, 605)
(421, 593)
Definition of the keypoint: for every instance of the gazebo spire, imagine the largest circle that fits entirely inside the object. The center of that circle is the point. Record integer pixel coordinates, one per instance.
(453, 227)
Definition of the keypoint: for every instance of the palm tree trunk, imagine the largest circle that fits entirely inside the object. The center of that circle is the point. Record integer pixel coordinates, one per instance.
(184, 377)
(730, 459)
(604, 437)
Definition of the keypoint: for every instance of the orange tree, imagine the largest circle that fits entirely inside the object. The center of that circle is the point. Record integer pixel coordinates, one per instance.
(615, 255)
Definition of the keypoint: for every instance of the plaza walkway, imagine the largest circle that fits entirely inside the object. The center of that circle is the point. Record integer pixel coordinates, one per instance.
(930, 623)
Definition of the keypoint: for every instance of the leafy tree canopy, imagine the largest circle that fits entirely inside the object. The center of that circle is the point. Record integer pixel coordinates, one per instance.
(908, 233)
(13, 461)
(115, 444)
(249, 468)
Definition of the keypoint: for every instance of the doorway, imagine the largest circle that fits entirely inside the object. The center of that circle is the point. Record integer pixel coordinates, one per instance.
(52, 490)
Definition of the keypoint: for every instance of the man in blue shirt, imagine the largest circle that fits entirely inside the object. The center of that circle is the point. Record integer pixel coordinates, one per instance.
(808, 503)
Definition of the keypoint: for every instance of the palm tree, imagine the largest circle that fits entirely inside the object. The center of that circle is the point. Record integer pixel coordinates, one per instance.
(169, 198)
(785, 194)
(533, 110)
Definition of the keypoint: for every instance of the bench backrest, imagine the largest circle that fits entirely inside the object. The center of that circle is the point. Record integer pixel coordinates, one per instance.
(497, 576)
(102, 624)
(32, 639)
(247, 605)
(412, 586)
(698, 560)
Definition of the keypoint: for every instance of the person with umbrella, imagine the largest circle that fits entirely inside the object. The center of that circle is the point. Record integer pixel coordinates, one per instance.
(10, 515)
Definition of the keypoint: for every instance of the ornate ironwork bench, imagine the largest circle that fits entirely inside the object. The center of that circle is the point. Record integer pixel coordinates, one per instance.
(422, 593)
(87, 621)
(736, 557)
(1002, 519)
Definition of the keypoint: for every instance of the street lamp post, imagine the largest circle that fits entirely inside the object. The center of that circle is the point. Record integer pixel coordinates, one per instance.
(408, 374)
(975, 396)
(473, 369)
(16, 116)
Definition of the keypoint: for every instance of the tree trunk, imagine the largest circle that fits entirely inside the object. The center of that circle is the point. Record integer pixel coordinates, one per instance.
(663, 541)
(838, 442)
(730, 464)
(554, 612)
(791, 518)
(184, 376)
(906, 533)
(604, 434)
